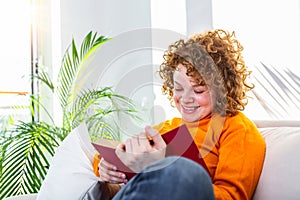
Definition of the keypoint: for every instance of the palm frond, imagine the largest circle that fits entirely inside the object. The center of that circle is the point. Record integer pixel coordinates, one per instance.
(24, 157)
(71, 63)
(37, 101)
(104, 126)
(44, 77)
(101, 109)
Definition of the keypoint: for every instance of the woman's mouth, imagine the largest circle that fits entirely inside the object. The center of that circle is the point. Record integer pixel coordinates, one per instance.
(189, 109)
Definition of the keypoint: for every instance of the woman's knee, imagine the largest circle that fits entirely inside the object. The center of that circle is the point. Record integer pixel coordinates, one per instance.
(176, 166)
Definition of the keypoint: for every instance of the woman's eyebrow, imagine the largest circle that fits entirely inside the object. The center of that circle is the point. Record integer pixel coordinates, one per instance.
(175, 82)
(198, 85)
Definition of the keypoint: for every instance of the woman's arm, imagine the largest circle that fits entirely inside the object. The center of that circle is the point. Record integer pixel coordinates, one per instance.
(241, 155)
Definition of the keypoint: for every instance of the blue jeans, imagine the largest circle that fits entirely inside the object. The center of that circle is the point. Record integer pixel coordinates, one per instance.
(170, 178)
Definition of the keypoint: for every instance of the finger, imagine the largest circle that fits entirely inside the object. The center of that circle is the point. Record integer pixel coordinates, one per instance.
(109, 174)
(144, 143)
(113, 178)
(128, 145)
(109, 169)
(107, 165)
(135, 143)
(158, 141)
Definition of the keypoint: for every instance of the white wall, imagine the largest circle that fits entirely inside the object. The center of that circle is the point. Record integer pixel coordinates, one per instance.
(125, 62)
(109, 18)
(199, 16)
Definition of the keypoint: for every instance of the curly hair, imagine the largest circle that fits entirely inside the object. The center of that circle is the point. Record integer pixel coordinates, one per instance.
(212, 58)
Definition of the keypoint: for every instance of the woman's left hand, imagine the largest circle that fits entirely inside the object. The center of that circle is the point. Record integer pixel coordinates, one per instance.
(137, 152)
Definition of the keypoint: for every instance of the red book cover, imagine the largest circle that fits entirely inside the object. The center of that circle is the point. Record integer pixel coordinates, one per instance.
(179, 143)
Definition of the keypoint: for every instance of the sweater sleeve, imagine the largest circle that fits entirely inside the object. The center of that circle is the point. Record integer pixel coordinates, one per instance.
(241, 155)
(96, 164)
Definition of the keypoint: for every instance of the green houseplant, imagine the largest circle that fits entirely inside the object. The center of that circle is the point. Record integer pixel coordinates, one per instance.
(26, 147)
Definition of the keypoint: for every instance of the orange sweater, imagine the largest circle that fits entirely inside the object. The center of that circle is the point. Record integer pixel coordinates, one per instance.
(233, 150)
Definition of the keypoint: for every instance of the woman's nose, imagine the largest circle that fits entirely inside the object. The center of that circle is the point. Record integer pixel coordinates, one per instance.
(188, 97)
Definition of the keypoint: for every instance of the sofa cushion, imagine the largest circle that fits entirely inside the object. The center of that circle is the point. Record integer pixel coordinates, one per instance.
(280, 178)
(70, 174)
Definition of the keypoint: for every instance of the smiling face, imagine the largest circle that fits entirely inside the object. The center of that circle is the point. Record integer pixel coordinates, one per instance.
(192, 100)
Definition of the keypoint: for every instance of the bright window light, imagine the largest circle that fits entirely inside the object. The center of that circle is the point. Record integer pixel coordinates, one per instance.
(15, 58)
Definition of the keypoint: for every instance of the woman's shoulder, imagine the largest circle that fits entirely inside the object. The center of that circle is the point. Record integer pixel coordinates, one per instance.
(240, 123)
(240, 126)
(240, 120)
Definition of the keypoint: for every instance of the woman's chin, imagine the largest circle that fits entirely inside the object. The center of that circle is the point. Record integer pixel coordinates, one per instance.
(189, 118)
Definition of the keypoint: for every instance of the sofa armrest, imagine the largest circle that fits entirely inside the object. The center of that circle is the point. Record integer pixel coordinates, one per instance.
(280, 177)
(276, 123)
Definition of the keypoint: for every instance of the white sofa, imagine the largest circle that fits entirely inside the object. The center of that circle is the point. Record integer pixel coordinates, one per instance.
(280, 178)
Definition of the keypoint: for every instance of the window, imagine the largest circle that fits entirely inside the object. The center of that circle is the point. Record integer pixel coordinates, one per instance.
(15, 58)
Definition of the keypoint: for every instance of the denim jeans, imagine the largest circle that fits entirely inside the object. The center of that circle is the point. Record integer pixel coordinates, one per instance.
(170, 178)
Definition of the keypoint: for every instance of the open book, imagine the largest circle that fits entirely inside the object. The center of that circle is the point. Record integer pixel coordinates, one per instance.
(179, 142)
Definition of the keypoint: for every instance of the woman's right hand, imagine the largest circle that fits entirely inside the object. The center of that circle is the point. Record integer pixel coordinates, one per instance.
(109, 173)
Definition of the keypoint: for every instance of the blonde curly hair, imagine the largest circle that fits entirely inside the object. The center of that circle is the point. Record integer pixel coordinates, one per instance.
(212, 58)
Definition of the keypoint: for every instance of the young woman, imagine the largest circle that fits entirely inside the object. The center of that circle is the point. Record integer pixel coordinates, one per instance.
(205, 78)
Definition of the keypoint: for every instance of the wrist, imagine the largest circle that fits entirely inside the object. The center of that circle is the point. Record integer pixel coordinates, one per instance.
(113, 188)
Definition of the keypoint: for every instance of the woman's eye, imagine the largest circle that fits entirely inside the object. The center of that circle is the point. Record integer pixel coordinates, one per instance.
(178, 89)
(198, 91)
